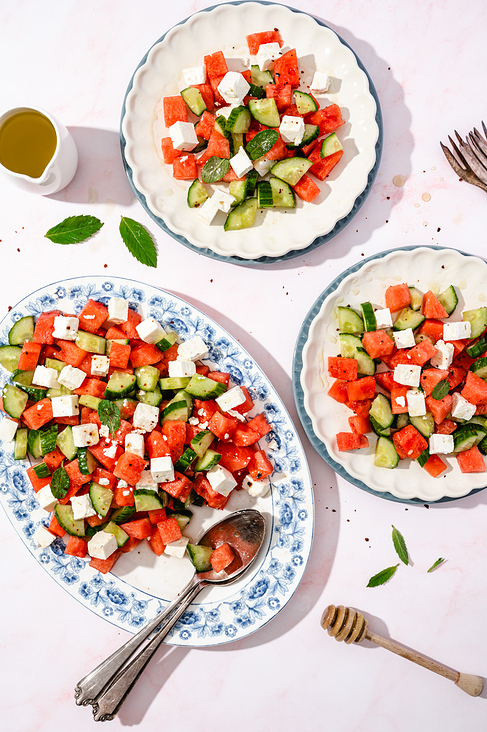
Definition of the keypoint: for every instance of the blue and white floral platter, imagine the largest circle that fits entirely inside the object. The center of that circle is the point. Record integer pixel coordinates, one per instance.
(141, 583)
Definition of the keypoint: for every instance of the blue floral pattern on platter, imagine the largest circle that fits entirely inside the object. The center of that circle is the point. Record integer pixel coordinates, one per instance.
(273, 582)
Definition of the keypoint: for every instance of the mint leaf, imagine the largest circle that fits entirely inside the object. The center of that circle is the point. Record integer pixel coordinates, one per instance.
(436, 564)
(400, 545)
(74, 229)
(109, 415)
(138, 241)
(382, 577)
(59, 483)
(214, 169)
(441, 389)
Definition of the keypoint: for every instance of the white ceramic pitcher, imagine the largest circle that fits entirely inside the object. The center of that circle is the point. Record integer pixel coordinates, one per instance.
(60, 169)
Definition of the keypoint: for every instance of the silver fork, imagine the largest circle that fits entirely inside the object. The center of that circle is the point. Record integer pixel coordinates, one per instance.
(470, 163)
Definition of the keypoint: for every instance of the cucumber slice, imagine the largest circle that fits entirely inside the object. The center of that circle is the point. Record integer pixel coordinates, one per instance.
(381, 413)
(368, 316)
(477, 348)
(169, 340)
(238, 141)
(91, 342)
(197, 195)
(478, 320)
(237, 189)
(48, 439)
(349, 321)
(21, 331)
(424, 424)
(239, 120)
(242, 216)
(203, 388)
(62, 391)
(34, 393)
(264, 194)
(266, 112)
(449, 299)
(122, 514)
(194, 100)
(122, 341)
(408, 318)
(402, 420)
(120, 535)
(423, 458)
(178, 408)
(200, 556)
(261, 143)
(23, 378)
(183, 518)
(208, 460)
(55, 363)
(256, 91)
(282, 194)
(147, 500)
(20, 446)
(34, 443)
(86, 461)
(202, 441)
(304, 102)
(260, 78)
(416, 299)
(251, 180)
(185, 460)
(468, 436)
(215, 169)
(65, 442)
(87, 400)
(66, 520)
(479, 367)
(101, 498)
(311, 132)
(351, 347)
(147, 377)
(330, 145)
(174, 382)
(120, 385)
(291, 170)
(9, 357)
(385, 453)
(41, 470)
(153, 398)
(14, 400)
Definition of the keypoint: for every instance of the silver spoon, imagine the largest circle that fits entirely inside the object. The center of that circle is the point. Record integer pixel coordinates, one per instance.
(108, 685)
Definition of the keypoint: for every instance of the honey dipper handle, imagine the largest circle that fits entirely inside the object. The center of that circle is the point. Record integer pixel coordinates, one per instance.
(472, 685)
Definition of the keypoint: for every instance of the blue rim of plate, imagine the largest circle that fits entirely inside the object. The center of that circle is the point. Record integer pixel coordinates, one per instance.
(359, 201)
(302, 338)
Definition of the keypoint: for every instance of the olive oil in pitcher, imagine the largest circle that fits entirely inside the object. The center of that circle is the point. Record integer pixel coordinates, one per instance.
(28, 141)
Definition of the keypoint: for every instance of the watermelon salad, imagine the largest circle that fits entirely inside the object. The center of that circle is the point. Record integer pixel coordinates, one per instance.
(126, 429)
(414, 373)
(253, 129)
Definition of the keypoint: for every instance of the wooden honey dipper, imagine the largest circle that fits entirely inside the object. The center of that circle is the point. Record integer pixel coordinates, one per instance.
(347, 624)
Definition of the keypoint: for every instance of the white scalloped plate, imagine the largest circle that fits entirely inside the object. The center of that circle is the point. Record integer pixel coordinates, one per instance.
(322, 417)
(224, 27)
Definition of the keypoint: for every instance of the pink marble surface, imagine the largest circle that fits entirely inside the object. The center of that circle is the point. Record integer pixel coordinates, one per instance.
(75, 59)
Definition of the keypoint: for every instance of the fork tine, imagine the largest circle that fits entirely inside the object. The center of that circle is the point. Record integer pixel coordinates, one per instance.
(476, 162)
(484, 128)
(465, 175)
(479, 140)
(458, 153)
(477, 150)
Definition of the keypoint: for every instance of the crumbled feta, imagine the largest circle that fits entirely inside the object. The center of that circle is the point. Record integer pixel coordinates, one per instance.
(183, 136)
(457, 331)
(383, 318)
(162, 469)
(400, 400)
(103, 481)
(404, 338)
(263, 165)
(99, 365)
(8, 428)
(231, 398)
(221, 480)
(266, 55)
(192, 349)
(292, 129)
(65, 327)
(441, 444)
(223, 200)
(416, 403)
(233, 87)
(65, 406)
(320, 82)
(134, 443)
(408, 375)
(102, 545)
(146, 480)
(145, 417)
(181, 368)
(82, 507)
(45, 376)
(42, 537)
(45, 498)
(177, 548)
(241, 163)
(71, 377)
(194, 75)
(256, 488)
(111, 451)
(150, 331)
(118, 310)
(237, 415)
(85, 435)
(104, 431)
(443, 356)
(461, 408)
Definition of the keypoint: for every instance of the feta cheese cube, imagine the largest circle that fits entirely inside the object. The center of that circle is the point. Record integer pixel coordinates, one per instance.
(145, 417)
(230, 399)
(241, 163)
(292, 129)
(183, 136)
(208, 211)
(443, 356)
(416, 403)
(134, 443)
(267, 54)
(65, 327)
(221, 480)
(457, 331)
(150, 331)
(118, 310)
(404, 338)
(177, 548)
(82, 507)
(263, 165)
(256, 488)
(45, 498)
(42, 537)
(408, 375)
(146, 480)
(223, 200)
(102, 545)
(71, 377)
(162, 469)
(85, 435)
(383, 318)
(320, 82)
(461, 408)
(181, 368)
(65, 406)
(194, 75)
(441, 444)
(192, 349)
(99, 365)
(233, 87)
(45, 376)
(8, 428)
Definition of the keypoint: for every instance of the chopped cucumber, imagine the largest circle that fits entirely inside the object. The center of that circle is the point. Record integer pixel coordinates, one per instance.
(20, 446)
(201, 387)
(449, 299)
(87, 400)
(468, 436)
(66, 520)
(330, 145)
(368, 316)
(304, 102)
(200, 556)
(153, 398)
(291, 170)
(423, 458)
(120, 515)
(351, 347)
(208, 460)
(402, 420)
(169, 340)
(147, 500)
(424, 424)
(349, 321)
(282, 194)
(416, 299)
(178, 408)
(260, 78)
(237, 189)
(9, 357)
(478, 320)
(264, 194)
(197, 194)
(55, 363)
(202, 441)
(380, 414)
(477, 348)
(91, 342)
(86, 461)
(479, 367)
(41, 470)
(266, 112)
(194, 100)
(147, 377)
(21, 331)
(408, 318)
(101, 498)
(174, 382)
(14, 400)
(120, 535)
(185, 460)
(120, 385)
(385, 453)
(242, 216)
(239, 120)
